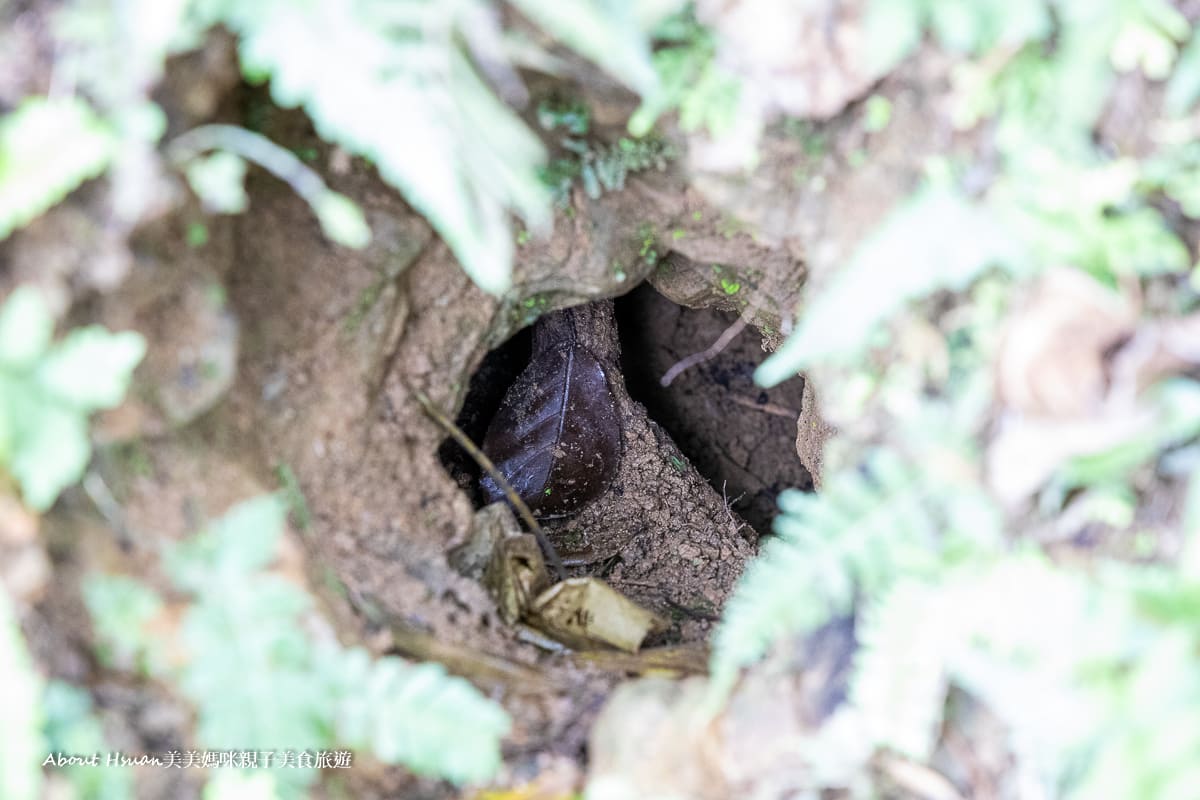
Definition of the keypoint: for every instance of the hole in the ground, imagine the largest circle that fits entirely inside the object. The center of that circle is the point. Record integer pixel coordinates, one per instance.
(740, 437)
(486, 391)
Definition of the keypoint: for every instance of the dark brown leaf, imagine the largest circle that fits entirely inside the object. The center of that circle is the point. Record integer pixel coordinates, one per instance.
(557, 435)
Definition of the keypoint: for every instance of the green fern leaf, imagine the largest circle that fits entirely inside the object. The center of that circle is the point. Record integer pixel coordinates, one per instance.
(937, 240)
(46, 393)
(851, 539)
(900, 676)
(259, 681)
(120, 608)
(21, 745)
(417, 715)
(26, 328)
(47, 148)
(381, 90)
(72, 727)
(606, 31)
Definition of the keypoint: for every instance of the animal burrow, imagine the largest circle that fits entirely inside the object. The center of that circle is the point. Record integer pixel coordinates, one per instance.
(703, 459)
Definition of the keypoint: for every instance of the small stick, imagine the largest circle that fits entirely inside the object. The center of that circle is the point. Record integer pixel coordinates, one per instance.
(766, 408)
(486, 464)
(704, 355)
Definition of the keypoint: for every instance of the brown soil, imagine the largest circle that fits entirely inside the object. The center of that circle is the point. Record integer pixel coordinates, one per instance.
(739, 436)
(331, 346)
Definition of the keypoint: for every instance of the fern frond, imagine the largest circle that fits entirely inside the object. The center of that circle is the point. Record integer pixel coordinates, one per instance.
(259, 681)
(72, 726)
(945, 242)
(47, 392)
(607, 166)
(900, 676)
(607, 32)
(394, 83)
(1036, 644)
(851, 539)
(417, 715)
(47, 148)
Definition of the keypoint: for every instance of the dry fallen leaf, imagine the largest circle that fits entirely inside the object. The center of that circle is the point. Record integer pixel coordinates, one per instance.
(557, 435)
(515, 575)
(583, 613)
(1053, 356)
(1072, 367)
(587, 612)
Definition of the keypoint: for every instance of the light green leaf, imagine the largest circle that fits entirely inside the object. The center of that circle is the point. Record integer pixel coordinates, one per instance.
(22, 747)
(606, 31)
(8, 415)
(851, 539)
(342, 220)
(936, 240)
(51, 452)
(26, 327)
(1184, 86)
(400, 62)
(91, 367)
(219, 181)
(235, 785)
(72, 727)
(47, 148)
(893, 31)
(239, 543)
(248, 534)
(120, 607)
(417, 715)
(900, 682)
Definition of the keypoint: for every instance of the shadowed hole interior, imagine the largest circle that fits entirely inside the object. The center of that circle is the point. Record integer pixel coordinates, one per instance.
(741, 438)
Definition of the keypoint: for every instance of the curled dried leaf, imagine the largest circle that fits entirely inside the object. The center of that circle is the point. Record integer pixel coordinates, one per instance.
(557, 435)
(587, 612)
(515, 575)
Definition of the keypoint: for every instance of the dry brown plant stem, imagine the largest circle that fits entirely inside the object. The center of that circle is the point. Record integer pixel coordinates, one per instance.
(486, 464)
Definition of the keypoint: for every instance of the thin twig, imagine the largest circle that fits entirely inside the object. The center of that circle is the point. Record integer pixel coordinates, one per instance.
(766, 408)
(704, 355)
(486, 464)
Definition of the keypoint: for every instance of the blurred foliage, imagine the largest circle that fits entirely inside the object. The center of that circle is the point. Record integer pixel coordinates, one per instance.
(842, 323)
(218, 178)
(691, 81)
(406, 85)
(47, 391)
(381, 90)
(1094, 672)
(47, 148)
(247, 654)
(22, 746)
(597, 166)
(72, 728)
